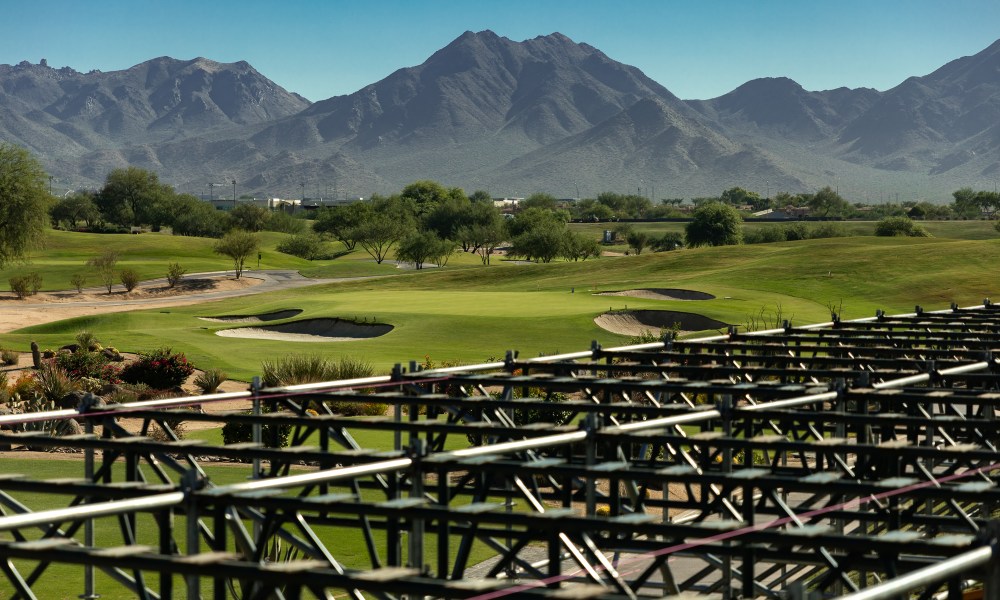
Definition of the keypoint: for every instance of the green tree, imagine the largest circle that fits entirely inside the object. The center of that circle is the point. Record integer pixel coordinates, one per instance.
(637, 240)
(828, 203)
(481, 196)
(738, 196)
(24, 203)
(965, 204)
(105, 265)
(579, 246)
(74, 208)
(342, 222)
(542, 242)
(130, 197)
(196, 218)
(589, 209)
(426, 195)
(714, 224)
(421, 246)
(389, 221)
(237, 245)
(249, 217)
(539, 200)
(484, 237)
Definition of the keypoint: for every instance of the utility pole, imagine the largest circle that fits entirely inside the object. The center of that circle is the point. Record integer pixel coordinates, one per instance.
(234, 192)
(50, 185)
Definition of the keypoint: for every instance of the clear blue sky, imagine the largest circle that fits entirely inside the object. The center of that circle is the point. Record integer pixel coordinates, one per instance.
(695, 48)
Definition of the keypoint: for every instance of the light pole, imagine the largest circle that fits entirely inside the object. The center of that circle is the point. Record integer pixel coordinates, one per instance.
(234, 193)
(302, 185)
(50, 185)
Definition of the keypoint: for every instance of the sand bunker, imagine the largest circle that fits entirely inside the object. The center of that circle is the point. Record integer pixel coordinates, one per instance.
(637, 322)
(311, 330)
(262, 318)
(661, 294)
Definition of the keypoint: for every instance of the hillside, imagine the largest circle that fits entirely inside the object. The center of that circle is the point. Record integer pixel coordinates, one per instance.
(544, 114)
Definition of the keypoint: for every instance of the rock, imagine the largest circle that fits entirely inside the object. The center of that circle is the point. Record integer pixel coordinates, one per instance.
(71, 347)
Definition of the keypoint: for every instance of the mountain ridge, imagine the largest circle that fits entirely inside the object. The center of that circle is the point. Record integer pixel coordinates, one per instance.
(545, 114)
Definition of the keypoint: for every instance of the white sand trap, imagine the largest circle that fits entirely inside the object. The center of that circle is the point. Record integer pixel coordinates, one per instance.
(637, 322)
(262, 318)
(311, 330)
(661, 294)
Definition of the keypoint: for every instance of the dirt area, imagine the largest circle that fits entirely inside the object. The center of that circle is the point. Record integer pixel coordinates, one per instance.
(47, 307)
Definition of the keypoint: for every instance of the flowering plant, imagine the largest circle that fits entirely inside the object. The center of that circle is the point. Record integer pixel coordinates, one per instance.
(160, 369)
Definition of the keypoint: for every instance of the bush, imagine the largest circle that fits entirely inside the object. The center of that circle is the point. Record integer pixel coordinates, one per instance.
(9, 357)
(87, 340)
(670, 240)
(53, 383)
(273, 436)
(828, 230)
(893, 226)
(296, 369)
(4, 392)
(304, 245)
(174, 274)
(25, 285)
(160, 369)
(209, 381)
(78, 280)
(82, 364)
(129, 278)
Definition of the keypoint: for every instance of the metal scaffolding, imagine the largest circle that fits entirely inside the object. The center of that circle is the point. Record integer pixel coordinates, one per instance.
(849, 457)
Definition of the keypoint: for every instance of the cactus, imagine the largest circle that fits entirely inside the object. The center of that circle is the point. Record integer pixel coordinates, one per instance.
(36, 356)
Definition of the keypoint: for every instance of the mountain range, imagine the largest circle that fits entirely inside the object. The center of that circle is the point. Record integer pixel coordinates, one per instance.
(485, 112)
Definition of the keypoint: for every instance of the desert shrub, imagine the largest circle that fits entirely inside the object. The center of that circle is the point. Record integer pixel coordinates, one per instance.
(22, 388)
(20, 286)
(272, 435)
(304, 245)
(82, 364)
(130, 392)
(78, 280)
(4, 392)
(174, 274)
(90, 384)
(296, 369)
(9, 357)
(208, 382)
(52, 382)
(27, 401)
(795, 232)
(764, 235)
(828, 229)
(87, 340)
(159, 369)
(129, 278)
(893, 226)
(671, 240)
(158, 434)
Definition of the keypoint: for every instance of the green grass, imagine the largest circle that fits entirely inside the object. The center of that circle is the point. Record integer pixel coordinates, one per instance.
(467, 314)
